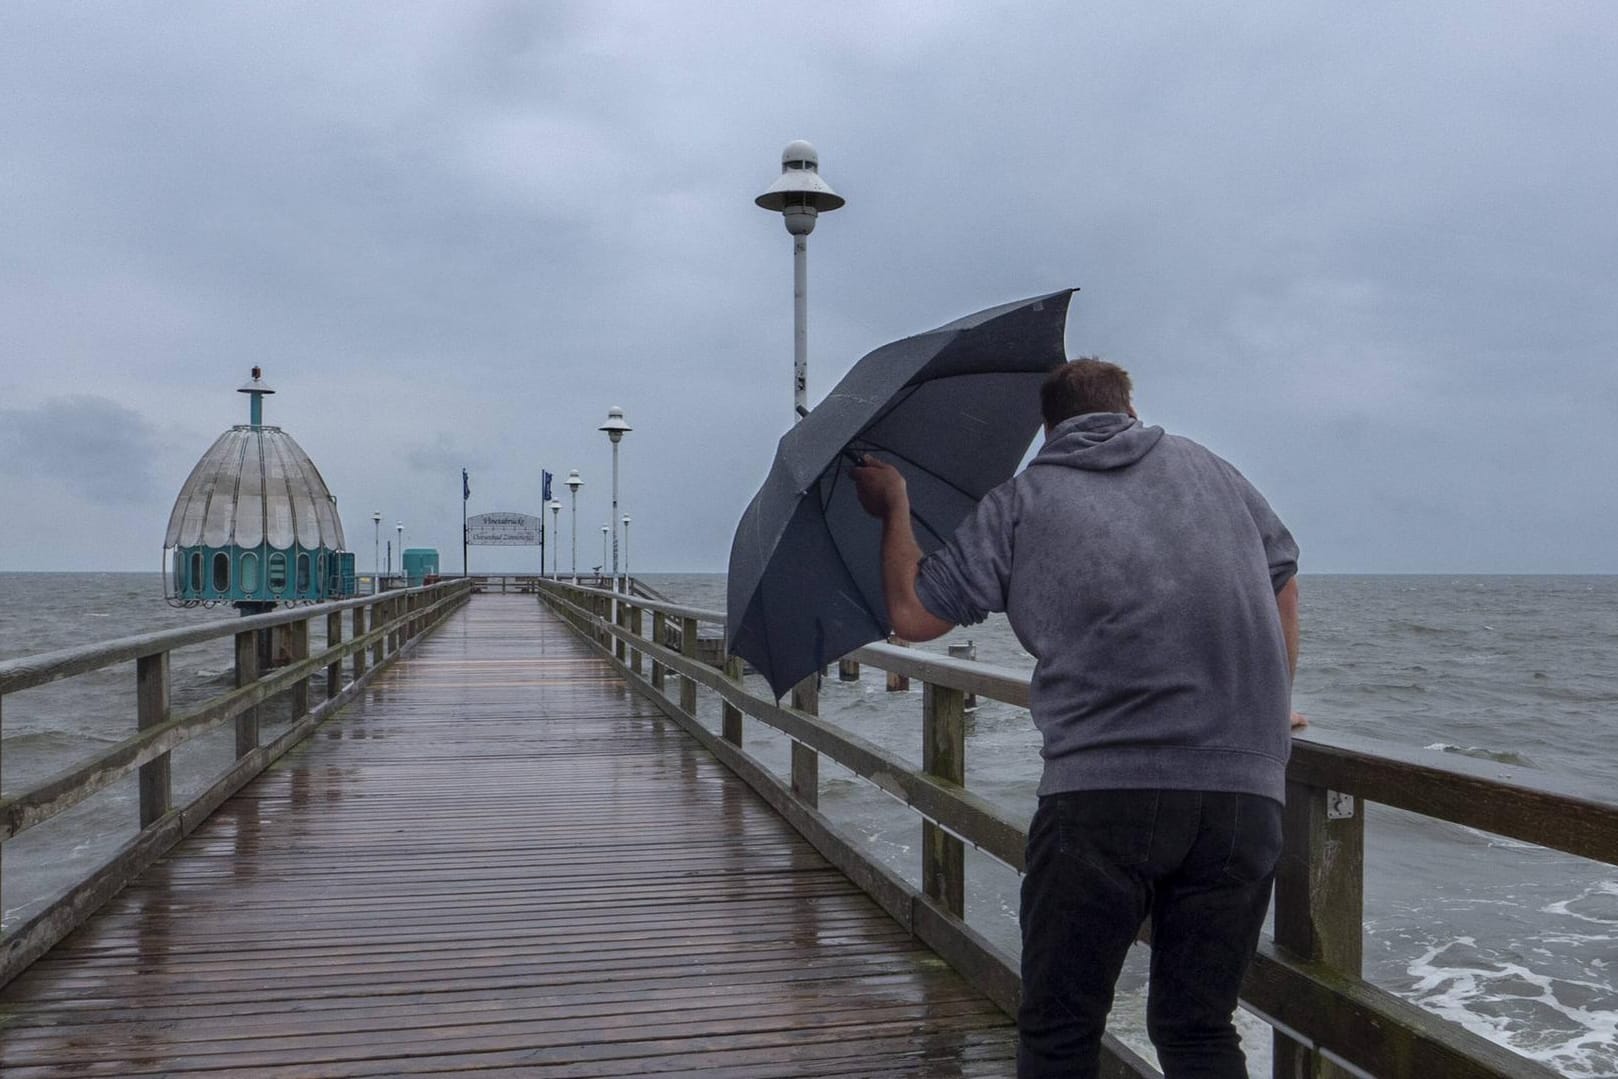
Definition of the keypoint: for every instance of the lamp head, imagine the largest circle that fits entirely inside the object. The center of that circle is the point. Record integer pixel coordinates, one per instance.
(615, 426)
(573, 481)
(799, 194)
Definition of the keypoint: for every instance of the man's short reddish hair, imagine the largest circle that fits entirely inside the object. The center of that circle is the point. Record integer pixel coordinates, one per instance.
(1086, 385)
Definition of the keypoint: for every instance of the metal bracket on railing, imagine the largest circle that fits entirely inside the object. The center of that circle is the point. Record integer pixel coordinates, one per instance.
(1339, 806)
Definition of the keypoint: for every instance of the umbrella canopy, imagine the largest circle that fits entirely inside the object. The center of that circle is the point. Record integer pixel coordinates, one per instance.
(954, 409)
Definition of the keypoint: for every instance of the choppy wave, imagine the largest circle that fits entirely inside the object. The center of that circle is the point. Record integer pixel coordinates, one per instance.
(1482, 753)
(1567, 1023)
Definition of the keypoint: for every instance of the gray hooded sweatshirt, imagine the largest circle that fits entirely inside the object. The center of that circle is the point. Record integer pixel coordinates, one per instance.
(1140, 571)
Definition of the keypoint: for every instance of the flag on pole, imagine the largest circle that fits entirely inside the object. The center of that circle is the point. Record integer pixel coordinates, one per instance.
(466, 486)
(545, 488)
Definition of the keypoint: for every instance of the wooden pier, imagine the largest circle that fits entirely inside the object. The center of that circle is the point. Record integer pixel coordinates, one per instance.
(524, 834)
(500, 860)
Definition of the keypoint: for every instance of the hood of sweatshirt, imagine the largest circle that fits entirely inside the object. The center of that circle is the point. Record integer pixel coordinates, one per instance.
(1098, 441)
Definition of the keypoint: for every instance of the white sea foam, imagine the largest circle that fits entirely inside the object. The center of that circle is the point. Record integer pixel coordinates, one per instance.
(1457, 982)
(1605, 914)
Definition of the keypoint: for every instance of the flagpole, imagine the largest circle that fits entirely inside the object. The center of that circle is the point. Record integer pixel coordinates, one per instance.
(466, 493)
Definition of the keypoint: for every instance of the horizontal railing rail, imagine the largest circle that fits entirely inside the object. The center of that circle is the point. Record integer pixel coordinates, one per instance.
(1306, 981)
(381, 628)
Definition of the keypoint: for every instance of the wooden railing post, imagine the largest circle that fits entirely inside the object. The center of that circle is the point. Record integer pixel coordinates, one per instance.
(376, 621)
(2, 772)
(620, 618)
(635, 624)
(730, 725)
(152, 708)
(246, 675)
(298, 646)
(688, 649)
(334, 637)
(357, 628)
(943, 756)
(1319, 901)
(848, 670)
(805, 761)
(660, 623)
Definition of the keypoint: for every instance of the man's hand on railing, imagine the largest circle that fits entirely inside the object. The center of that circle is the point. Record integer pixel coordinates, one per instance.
(1299, 721)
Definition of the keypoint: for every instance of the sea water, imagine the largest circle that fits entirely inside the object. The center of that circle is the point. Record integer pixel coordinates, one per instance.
(1518, 944)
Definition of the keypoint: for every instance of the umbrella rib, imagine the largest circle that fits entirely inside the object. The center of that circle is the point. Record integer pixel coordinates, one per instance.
(837, 476)
(919, 467)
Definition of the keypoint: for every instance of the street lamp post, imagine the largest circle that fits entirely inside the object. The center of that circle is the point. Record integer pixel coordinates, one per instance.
(573, 484)
(800, 196)
(604, 531)
(556, 534)
(626, 552)
(400, 526)
(616, 428)
(376, 555)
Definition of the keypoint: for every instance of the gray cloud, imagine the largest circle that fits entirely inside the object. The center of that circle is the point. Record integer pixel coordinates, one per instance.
(96, 448)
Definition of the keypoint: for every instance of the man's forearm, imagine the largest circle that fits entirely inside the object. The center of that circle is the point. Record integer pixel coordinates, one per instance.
(901, 555)
(1286, 604)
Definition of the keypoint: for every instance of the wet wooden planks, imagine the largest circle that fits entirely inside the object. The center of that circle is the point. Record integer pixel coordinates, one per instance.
(502, 862)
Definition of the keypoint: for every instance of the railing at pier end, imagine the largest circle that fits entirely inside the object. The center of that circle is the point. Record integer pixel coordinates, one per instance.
(381, 627)
(1306, 981)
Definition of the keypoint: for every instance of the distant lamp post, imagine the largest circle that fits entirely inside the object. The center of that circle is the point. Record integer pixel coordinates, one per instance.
(556, 534)
(800, 196)
(626, 552)
(573, 484)
(401, 552)
(376, 555)
(604, 531)
(616, 429)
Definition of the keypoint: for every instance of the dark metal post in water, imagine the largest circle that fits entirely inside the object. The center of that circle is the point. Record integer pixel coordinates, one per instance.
(969, 650)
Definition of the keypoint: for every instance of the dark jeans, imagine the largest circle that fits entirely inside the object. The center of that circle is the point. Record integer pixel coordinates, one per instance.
(1200, 864)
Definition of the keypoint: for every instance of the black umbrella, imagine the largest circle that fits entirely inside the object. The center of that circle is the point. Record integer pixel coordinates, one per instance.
(954, 409)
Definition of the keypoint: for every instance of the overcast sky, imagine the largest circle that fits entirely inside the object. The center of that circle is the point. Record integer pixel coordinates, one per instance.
(1368, 253)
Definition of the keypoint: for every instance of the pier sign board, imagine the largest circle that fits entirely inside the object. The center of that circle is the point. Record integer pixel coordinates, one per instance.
(505, 530)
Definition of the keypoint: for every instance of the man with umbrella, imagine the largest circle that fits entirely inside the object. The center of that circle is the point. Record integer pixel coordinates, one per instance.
(1156, 590)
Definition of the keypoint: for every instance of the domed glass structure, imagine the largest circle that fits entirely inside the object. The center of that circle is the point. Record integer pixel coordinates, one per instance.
(254, 525)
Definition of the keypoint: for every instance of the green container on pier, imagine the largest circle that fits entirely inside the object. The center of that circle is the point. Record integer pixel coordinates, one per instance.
(419, 564)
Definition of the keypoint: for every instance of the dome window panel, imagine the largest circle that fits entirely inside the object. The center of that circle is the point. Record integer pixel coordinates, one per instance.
(221, 572)
(249, 573)
(304, 584)
(278, 572)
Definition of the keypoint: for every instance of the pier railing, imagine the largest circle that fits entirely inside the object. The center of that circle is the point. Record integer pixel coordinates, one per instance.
(272, 663)
(1306, 981)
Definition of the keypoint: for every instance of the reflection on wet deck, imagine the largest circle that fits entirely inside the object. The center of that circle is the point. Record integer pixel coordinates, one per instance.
(501, 862)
